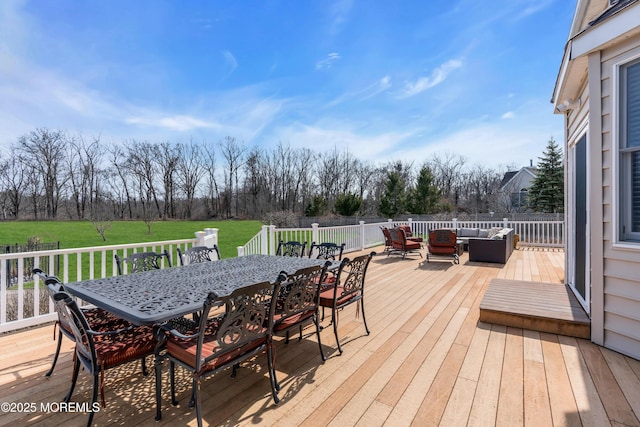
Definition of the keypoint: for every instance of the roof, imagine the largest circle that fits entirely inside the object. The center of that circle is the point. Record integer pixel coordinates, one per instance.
(512, 174)
(611, 11)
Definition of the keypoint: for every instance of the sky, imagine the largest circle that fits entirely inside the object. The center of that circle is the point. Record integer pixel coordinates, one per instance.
(384, 80)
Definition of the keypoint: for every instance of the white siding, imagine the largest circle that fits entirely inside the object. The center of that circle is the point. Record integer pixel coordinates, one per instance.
(621, 273)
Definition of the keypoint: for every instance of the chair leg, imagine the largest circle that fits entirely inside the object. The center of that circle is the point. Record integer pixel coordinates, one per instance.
(272, 373)
(74, 378)
(317, 322)
(94, 398)
(143, 366)
(300, 338)
(172, 381)
(55, 356)
(158, 369)
(334, 319)
(198, 399)
(364, 318)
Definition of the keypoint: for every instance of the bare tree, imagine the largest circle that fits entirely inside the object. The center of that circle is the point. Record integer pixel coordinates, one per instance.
(168, 160)
(83, 160)
(45, 150)
(142, 160)
(233, 152)
(190, 172)
(212, 198)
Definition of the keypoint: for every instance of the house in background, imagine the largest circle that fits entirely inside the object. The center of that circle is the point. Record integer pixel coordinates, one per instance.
(514, 189)
(598, 92)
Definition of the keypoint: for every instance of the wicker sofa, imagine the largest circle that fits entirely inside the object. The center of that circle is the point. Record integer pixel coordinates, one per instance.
(494, 245)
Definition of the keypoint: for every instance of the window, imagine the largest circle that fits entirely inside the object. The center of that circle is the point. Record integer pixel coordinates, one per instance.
(629, 151)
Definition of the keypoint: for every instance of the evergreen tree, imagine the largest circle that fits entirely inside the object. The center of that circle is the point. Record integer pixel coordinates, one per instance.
(348, 204)
(547, 190)
(317, 206)
(393, 200)
(425, 196)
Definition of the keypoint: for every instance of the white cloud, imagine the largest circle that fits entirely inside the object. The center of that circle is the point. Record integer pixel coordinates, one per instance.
(328, 134)
(328, 61)
(339, 12)
(230, 60)
(178, 123)
(437, 76)
(508, 115)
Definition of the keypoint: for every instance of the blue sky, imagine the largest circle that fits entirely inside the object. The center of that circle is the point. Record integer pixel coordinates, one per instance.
(399, 80)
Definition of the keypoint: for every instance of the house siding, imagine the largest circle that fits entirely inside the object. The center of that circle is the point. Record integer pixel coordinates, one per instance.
(621, 269)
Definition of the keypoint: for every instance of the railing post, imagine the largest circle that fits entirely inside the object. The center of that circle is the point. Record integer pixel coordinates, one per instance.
(315, 234)
(200, 238)
(455, 223)
(362, 235)
(272, 240)
(264, 240)
(212, 232)
(505, 222)
(240, 251)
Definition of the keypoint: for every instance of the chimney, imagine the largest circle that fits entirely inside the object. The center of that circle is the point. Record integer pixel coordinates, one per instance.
(530, 162)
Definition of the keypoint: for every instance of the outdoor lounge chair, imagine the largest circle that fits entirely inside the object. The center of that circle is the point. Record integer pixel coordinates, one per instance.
(443, 243)
(409, 233)
(400, 244)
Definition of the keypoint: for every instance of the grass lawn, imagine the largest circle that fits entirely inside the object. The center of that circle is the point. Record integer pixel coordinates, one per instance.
(78, 234)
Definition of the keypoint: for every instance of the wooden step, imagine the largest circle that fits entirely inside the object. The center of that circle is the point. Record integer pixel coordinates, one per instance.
(538, 306)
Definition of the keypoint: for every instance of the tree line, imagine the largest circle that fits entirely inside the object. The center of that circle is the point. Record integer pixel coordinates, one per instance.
(52, 174)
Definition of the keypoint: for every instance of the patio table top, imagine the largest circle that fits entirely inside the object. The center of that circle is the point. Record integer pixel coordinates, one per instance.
(155, 296)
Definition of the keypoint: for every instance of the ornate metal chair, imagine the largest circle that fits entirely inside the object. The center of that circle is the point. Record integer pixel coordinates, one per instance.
(443, 243)
(143, 261)
(348, 289)
(197, 254)
(328, 251)
(98, 319)
(291, 248)
(297, 302)
(222, 341)
(400, 244)
(98, 351)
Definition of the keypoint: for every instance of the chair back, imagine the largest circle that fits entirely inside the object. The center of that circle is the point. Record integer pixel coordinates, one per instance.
(387, 236)
(299, 293)
(328, 251)
(247, 319)
(72, 317)
(197, 254)
(142, 261)
(291, 248)
(398, 238)
(442, 237)
(350, 278)
(407, 230)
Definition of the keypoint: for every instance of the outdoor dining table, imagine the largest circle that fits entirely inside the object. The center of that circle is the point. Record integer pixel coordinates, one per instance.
(156, 296)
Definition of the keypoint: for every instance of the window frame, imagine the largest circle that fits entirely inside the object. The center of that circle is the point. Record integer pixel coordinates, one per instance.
(623, 155)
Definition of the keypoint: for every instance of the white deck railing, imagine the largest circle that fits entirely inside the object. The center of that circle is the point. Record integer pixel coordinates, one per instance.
(25, 302)
(362, 236)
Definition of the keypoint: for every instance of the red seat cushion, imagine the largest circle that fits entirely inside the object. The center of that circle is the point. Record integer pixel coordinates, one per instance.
(119, 348)
(279, 325)
(326, 297)
(185, 350)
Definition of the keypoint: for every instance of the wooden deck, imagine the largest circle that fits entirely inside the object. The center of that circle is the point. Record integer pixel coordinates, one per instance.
(539, 306)
(428, 361)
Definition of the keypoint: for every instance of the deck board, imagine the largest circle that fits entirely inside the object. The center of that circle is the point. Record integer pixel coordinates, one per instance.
(542, 306)
(429, 360)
